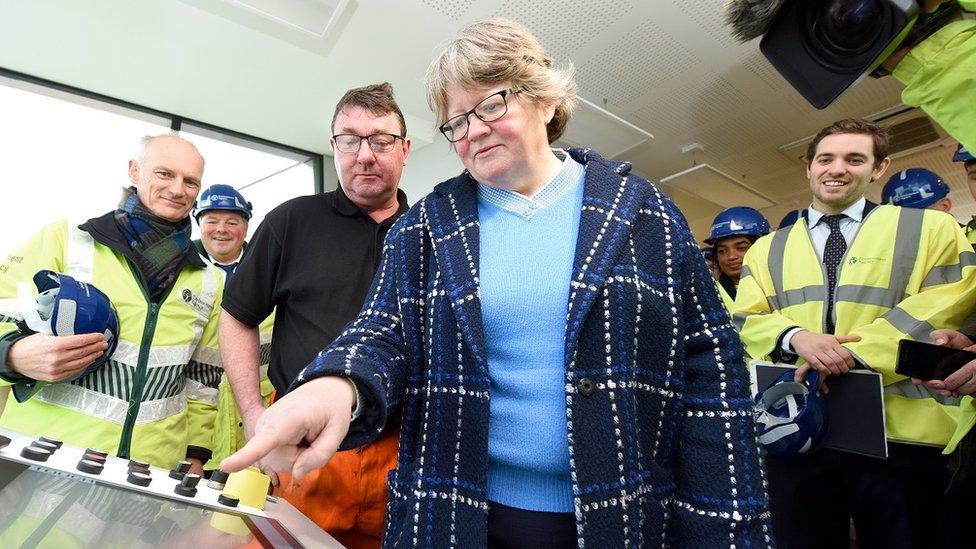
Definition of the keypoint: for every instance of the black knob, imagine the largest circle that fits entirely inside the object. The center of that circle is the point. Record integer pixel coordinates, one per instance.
(50, 446)
(218, 479)
(180, 470)
(35, 453)
(4, 441)
(136, 465)
(188, 487)
(93, 457)
(46, 445)
(90, 466)
(96, 452)
(53, 441)
(228, 500)
(139, 478)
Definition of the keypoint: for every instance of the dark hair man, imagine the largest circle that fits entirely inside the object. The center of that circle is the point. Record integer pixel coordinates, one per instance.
(838, 289)
(312, 261)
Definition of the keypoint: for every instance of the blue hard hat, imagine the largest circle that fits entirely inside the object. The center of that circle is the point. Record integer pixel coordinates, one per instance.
(221, 197)
(791, 416)
(740, 220)
(962, 155)
(914, 188)
(64, 307)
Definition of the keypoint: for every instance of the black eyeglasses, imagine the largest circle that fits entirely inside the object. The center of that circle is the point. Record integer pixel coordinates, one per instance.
(489, 109)
(379, 142)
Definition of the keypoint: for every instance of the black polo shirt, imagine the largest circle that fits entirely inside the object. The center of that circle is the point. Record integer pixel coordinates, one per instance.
(312, 261)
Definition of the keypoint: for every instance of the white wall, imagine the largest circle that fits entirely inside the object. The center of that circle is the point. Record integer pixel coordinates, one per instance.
(427, 167)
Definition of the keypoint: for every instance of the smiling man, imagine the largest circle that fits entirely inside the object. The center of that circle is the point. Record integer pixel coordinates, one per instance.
(222, 214)
(837, 290)
(312, 261)
(154, 399)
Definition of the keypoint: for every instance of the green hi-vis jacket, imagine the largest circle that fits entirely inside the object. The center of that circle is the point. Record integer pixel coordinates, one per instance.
(906, 273)
(155, 399)
(939, 75)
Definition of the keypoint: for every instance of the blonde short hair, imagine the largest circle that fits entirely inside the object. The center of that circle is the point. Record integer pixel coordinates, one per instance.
(498, 51)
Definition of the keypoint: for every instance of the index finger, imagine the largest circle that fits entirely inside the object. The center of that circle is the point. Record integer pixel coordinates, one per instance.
(848, 338)
(260, 445)
(79, 340)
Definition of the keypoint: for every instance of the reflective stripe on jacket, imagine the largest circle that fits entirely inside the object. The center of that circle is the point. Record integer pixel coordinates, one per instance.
(228, 433)
(157, 393)
(906, 273)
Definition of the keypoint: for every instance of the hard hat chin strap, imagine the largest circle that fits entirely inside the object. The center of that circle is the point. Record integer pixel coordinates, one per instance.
(776, 396)
(31, 307)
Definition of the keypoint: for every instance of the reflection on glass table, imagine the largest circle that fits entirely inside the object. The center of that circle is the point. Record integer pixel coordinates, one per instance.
(45, 508)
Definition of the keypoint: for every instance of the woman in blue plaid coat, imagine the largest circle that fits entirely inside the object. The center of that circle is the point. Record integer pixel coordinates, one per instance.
(544, 322)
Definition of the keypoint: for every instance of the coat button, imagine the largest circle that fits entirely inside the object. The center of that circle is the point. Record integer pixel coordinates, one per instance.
(586, 387)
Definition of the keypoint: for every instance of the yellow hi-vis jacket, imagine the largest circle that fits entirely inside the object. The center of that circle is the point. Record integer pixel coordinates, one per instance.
(906, 273)
(970, 230)
(939, 75)
(726, 298)
(228, 433)
(156, 396)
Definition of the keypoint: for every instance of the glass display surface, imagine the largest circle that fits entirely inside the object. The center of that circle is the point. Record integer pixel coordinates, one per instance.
(41, 507)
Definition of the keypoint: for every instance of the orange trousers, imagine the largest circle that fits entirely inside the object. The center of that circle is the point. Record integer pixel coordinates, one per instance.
(347, 497)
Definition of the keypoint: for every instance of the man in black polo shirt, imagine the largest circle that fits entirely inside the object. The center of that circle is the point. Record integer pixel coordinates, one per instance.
(312, 260)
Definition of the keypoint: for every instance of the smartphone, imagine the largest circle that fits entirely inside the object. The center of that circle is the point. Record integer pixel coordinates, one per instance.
(928, 361)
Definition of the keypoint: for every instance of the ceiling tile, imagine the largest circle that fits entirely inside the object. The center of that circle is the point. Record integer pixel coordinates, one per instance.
(559, 25)
(638, 62)
(455, 9)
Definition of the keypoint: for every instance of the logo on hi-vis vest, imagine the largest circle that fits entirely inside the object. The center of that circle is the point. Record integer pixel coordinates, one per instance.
(855, 260)
(197, 302)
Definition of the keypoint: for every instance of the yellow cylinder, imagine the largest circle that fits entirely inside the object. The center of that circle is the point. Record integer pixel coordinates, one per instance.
(250, 486)
(229, 524)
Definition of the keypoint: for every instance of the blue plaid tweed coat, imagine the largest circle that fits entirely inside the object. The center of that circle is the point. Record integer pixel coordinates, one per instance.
(661, 435)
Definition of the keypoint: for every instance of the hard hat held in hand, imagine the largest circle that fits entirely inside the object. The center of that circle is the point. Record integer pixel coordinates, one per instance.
(65, 306)
(791, 416)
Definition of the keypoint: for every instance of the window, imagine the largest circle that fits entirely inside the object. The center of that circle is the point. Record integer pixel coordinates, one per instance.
(265, 177)
(65, 155)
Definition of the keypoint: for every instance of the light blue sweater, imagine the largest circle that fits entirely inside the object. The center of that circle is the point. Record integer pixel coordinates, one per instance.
(527, 250)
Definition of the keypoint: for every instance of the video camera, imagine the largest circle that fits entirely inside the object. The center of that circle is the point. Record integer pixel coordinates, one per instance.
(823, 47)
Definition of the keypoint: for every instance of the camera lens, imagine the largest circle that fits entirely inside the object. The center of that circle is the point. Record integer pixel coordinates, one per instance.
(851, 24)
(838, 33)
